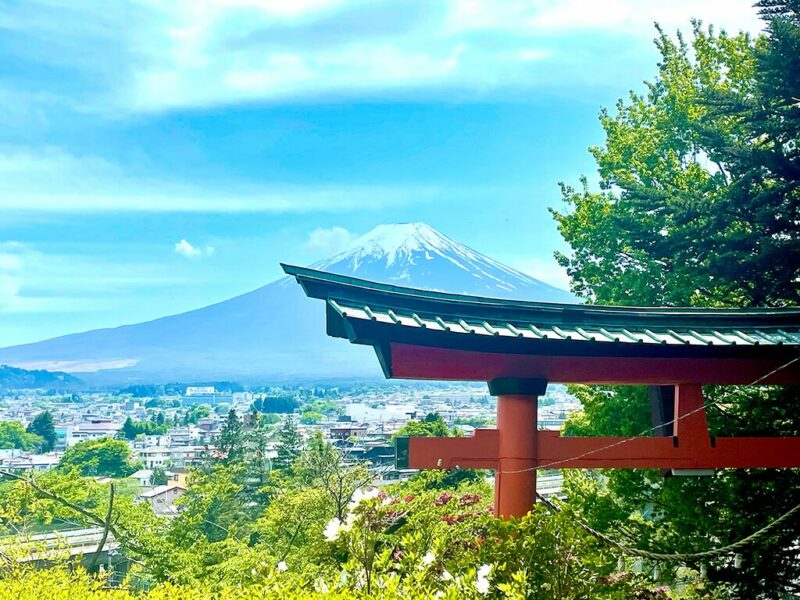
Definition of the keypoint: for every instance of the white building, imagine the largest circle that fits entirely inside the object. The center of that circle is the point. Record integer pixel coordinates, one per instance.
(200, 390)
(170, 456)
(162, 498)
(26, 463)
(91, 430)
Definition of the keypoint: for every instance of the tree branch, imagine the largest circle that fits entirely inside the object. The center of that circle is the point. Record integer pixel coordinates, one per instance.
(106, 527)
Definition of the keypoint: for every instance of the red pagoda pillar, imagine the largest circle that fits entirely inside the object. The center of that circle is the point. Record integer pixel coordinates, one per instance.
(515, 477)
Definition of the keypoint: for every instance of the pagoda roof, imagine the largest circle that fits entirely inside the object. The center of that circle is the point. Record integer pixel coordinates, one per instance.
(393, 319)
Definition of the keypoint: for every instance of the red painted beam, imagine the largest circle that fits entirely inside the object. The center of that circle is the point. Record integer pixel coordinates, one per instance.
(481, 452)
(477, 452)
(422, 362)
(660, 453)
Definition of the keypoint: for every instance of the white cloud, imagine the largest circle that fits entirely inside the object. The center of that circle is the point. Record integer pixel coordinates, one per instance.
(329, 241)
(186, 249)
(9, 262)
(143, 55)
(9, 290)
(32, 281)
(51, 179)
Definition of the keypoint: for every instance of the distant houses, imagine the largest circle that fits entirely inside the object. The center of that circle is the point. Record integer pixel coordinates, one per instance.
(162, 498)
(17, 461)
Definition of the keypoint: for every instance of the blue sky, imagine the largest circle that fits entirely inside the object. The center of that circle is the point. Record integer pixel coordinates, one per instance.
(160, 156)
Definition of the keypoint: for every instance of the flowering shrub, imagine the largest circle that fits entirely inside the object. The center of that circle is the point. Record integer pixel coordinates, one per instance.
(425, 538)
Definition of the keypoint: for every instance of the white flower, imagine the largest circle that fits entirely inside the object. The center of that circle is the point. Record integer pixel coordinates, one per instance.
(482, 582)
(428, 558)
(332, 529)
(321, 587)
(349, 521)
(282, 566)
(253, 572)
(482, 585)
(446, 576)
(360, 496)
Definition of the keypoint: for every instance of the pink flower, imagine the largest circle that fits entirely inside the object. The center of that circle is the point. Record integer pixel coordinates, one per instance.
(469, 499)
(443, 499)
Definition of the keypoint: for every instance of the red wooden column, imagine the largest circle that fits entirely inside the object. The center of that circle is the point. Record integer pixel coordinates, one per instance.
(515, 477)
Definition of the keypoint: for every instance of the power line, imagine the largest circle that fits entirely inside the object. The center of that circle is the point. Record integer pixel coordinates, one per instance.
(681, 556)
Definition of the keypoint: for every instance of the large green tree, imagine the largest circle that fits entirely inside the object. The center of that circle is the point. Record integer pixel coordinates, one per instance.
(13, 435)
(698, 205)
(102, 457)
(290, 444)
(229, 441)
(43, 426)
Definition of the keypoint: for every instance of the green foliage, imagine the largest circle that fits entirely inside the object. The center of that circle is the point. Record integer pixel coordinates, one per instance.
(269, 418)
(431, 426)
(103, 457)
(290, 444)
(331, 470)
(325, 407)
(275, 404)
(159, 476)
(193, 416)
(410, 540)
(131, 429)
(311, 417)
(229, 441)
(14, 435)
(42, 425)
(477, 422)
(698, 205)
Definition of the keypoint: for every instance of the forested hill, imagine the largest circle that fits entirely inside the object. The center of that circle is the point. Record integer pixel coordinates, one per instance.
(14, 378)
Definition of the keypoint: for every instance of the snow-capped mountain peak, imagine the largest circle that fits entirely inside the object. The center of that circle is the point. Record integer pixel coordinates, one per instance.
(417, 255)
(393, 242)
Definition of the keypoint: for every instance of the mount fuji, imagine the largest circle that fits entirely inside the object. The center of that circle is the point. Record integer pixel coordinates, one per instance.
(275, 332)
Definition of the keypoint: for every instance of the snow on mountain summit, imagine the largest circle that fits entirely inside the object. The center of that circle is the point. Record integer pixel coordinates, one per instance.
(417, 255)
(392, 242)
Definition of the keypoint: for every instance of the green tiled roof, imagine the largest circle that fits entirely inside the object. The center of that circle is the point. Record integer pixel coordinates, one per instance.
(354, 300)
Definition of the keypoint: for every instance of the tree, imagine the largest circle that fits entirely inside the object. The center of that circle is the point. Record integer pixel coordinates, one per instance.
(42, 425)
(101, 457)
(194, 415)
(431, 426)
(159, 476)
(229, 442)
(697, 205)
(762, 163)
(129, 430)
(290, 444)
(13, 435)
(311, 417)
(275, 404)
(327, 468)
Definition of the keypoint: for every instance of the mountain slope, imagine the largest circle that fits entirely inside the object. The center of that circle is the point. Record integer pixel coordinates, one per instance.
(12, 378)
(275, 331)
